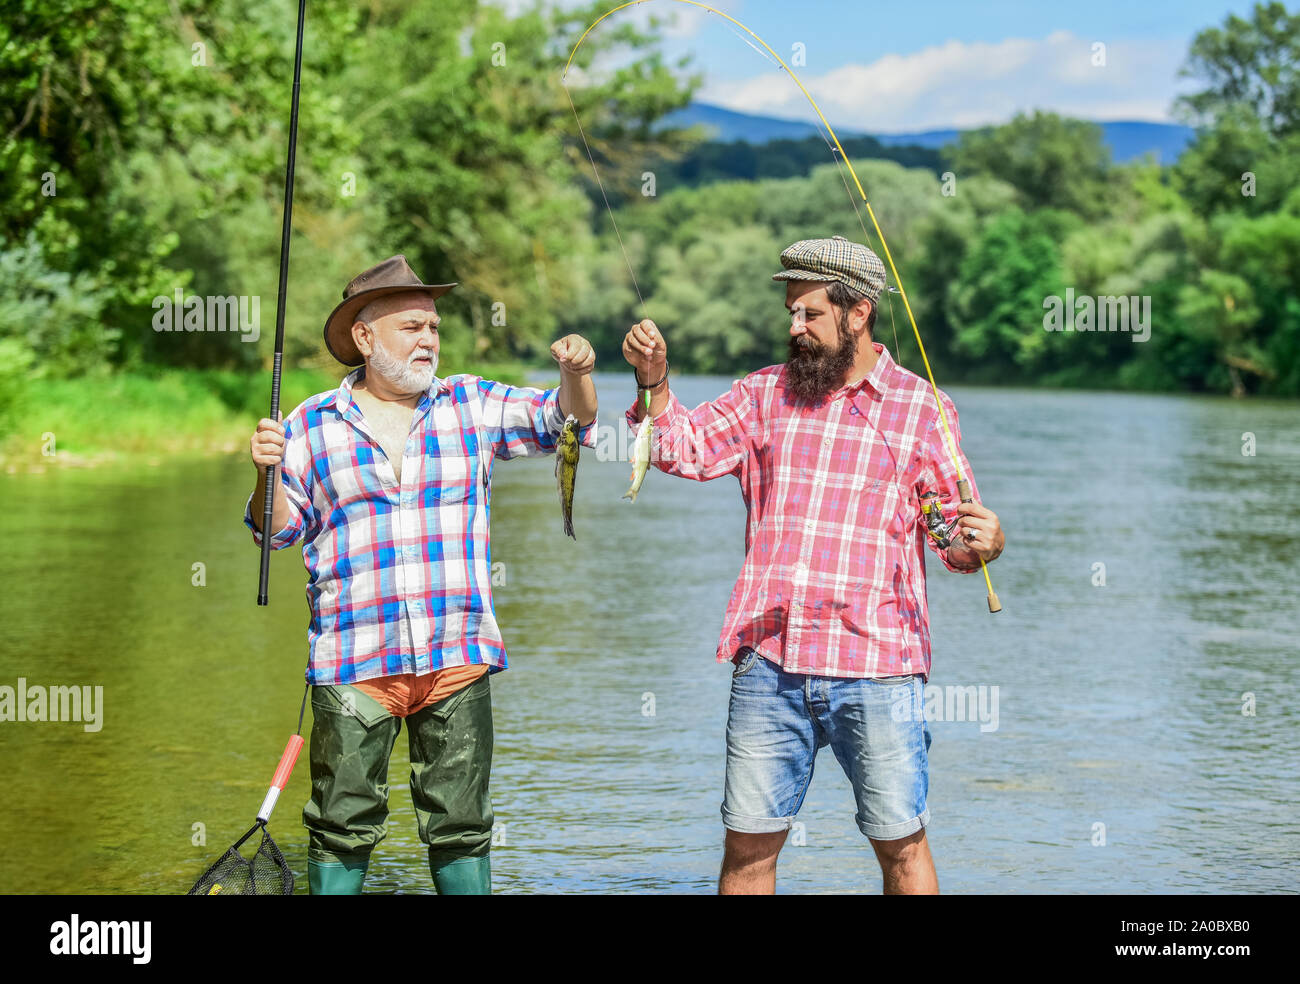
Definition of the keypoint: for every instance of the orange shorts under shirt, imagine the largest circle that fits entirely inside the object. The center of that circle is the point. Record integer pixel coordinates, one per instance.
(406, 693)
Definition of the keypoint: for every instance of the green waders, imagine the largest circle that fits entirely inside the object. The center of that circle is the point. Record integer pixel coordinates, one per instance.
(352, 737)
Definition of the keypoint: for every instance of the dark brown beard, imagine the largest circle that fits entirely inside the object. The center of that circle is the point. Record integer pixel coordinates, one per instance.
(814, 371)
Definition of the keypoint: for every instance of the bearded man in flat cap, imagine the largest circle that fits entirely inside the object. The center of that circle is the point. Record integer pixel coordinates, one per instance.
(386, 482)
(827, 626)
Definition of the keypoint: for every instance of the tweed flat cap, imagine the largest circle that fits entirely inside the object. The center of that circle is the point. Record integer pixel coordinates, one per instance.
(837, 258)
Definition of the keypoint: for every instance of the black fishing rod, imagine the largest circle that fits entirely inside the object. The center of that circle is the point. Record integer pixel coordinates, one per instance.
(273, 473)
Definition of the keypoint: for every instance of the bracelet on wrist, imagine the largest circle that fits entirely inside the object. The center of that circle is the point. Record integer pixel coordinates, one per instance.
(641, 386)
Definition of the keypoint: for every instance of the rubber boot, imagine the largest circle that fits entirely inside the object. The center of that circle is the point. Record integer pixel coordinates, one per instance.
(464, 876)
(336, 877)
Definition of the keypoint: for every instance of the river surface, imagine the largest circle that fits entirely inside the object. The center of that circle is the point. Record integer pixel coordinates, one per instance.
(1121, 760)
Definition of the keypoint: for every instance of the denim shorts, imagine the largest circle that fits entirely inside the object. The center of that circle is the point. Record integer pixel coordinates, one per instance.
(777, 722)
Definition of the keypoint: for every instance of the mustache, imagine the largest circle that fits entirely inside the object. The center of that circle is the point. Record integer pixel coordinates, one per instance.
(804, 347)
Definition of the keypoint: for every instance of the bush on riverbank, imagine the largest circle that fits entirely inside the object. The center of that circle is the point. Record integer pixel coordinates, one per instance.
(96, 418)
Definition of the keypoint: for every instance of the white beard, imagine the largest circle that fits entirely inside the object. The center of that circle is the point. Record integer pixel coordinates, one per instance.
(403, 377)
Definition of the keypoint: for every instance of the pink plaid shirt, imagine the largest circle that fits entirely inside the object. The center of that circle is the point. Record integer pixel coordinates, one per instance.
(833, 582)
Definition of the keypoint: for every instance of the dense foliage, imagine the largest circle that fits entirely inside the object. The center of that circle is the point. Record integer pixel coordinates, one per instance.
(143, 154)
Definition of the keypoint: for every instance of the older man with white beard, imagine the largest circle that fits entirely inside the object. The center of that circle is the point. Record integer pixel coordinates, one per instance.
(386, 481)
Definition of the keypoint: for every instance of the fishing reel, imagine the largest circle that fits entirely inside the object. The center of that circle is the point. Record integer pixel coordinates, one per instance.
(939, 530)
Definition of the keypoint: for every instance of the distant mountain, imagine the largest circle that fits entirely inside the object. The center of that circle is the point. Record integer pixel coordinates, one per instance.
(727, 125)
(1126, 139)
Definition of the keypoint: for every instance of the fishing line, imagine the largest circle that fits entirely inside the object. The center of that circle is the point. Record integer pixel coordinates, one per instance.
(887, 290)
(762, 54)
(601, 185)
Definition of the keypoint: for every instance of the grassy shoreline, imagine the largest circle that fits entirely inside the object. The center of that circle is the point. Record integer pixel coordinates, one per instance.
(137, 418)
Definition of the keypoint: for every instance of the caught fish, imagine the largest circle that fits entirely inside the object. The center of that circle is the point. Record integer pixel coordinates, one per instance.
(640, 456)
(566, 469)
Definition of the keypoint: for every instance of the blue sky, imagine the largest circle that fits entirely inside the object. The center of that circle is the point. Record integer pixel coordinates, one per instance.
(912, 66)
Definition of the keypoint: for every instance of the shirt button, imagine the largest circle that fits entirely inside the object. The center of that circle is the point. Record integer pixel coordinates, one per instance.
(827, 442)
(808, 525)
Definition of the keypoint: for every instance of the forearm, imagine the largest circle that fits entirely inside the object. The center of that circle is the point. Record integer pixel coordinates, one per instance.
(713, 440)
(578, 396)
(280, 506)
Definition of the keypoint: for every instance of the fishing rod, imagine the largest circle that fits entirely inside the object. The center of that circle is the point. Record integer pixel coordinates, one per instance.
(273, 473)
(963, 483)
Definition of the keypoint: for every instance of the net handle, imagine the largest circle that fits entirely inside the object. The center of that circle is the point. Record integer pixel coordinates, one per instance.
(281, 778)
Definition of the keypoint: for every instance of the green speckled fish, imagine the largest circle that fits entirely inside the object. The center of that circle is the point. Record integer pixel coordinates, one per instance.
(566, 469)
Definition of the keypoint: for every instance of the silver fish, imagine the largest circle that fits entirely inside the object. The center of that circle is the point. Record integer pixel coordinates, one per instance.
(640, 456)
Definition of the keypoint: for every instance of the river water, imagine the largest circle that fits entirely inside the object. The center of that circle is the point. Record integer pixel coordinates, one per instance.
(1144, 666)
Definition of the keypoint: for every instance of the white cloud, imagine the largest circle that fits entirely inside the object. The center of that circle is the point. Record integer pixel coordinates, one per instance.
(964, 84)
(679, 22)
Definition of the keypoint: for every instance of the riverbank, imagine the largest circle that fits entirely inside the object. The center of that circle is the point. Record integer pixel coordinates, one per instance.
(137, 418)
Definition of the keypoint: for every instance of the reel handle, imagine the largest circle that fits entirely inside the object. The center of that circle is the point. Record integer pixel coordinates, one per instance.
(963, 491)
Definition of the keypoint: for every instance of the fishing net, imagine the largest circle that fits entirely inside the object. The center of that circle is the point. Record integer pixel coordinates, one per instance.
(265, 873)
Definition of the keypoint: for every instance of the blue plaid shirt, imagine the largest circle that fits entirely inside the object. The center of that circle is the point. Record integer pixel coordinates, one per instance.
(398, 573)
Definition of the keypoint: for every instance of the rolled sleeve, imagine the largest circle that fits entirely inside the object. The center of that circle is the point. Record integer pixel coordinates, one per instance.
(666, 416)
(525, 422)
(293, 470)
(712, 440)
(587, 434)
(286, 537)
(555, 420)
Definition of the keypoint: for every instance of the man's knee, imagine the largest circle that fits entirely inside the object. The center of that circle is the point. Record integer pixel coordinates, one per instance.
(902, 850)
(743, 850)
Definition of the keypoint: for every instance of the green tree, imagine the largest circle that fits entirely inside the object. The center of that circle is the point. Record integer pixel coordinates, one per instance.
(997, 304)
(1247, 148)
(113, 98)
(1251, 65)
(946, 234)
(437, 129)
(1053, 162)
(717, 303)
(1256, 321)
(474, 143)
(1240, 174)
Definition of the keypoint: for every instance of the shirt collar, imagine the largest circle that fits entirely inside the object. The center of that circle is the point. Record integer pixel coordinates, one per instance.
(341, 398)
(880, 375)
